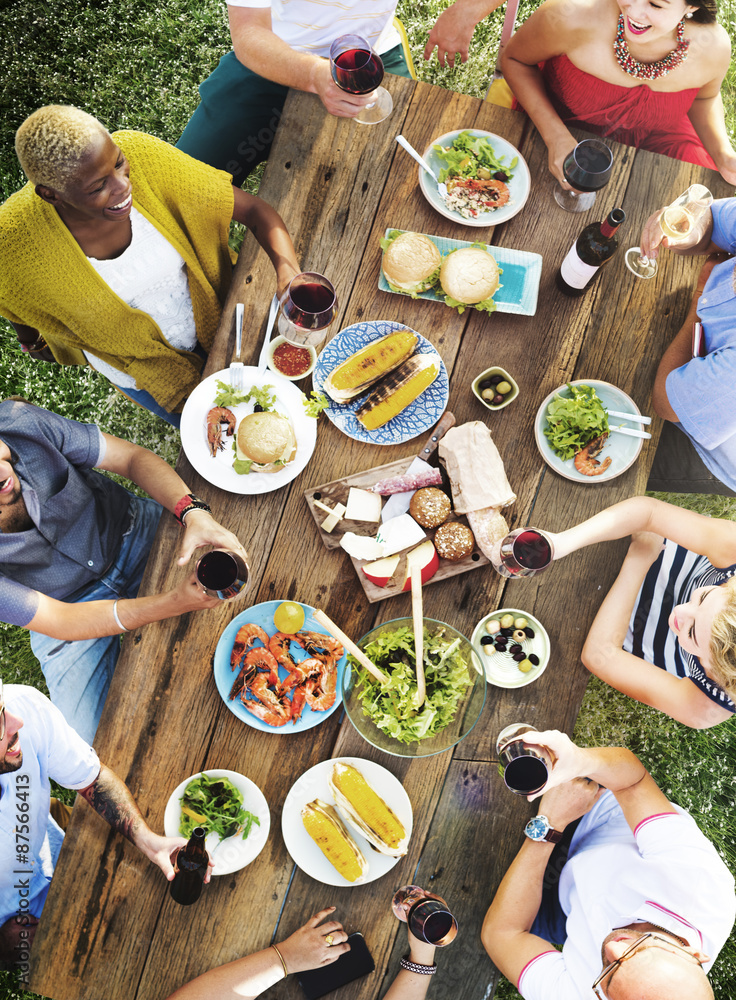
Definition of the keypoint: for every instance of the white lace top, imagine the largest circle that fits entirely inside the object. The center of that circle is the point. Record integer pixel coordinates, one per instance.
(149, 275)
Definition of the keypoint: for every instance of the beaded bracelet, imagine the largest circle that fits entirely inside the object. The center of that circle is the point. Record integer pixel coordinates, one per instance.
(189, 502)
(286, 971)
(423, 970)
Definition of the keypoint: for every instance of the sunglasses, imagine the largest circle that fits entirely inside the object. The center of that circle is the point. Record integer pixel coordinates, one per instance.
(610, 969)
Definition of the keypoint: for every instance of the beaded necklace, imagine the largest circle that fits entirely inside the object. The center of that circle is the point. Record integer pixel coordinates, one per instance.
(649, 71)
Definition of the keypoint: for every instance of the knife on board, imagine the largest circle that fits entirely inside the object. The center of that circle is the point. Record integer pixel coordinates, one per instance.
(398, 503)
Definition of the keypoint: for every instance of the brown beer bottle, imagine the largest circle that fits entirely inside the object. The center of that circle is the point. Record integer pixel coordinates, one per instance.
(191, 868)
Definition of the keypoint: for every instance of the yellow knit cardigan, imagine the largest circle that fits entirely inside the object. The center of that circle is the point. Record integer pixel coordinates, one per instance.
(46, 282)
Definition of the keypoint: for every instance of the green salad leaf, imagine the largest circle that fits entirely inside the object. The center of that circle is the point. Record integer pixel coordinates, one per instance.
(468, 154)
(259, 395)
(573, 422)
(217, 805)
(316, 402)
(392, 706)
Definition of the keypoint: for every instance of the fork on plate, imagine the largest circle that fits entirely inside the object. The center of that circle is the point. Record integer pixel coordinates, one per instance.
(236, 367)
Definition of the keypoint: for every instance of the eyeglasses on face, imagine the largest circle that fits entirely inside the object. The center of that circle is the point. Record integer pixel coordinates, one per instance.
(610, 969)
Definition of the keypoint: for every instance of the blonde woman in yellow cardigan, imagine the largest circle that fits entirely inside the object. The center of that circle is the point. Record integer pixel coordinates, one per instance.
(115, 254)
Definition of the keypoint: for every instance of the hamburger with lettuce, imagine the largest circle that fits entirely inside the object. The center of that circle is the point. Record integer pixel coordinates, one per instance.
(265, 442)
(411, 262)
(469, 277)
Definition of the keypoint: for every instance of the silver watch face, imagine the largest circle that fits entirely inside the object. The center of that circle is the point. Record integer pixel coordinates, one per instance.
(537, 828)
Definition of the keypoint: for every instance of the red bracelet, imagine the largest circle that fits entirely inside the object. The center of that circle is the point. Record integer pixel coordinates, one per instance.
(189, 502)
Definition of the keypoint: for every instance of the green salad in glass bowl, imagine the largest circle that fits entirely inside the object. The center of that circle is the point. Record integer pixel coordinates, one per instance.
(386, 715)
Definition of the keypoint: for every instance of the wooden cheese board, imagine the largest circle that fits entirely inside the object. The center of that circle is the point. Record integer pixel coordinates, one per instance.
(337, 491)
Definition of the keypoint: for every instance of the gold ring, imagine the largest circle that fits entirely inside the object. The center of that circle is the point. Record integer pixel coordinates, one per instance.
(329, 940)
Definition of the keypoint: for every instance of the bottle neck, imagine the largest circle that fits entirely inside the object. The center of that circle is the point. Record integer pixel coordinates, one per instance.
(607, 229)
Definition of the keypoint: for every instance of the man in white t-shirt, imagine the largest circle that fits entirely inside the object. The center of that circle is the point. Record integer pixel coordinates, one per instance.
(278, 45)
(646, 901)
(37, 744)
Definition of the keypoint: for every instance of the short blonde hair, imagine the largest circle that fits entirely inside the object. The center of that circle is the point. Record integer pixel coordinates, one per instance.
(52, 141)
(723, 643)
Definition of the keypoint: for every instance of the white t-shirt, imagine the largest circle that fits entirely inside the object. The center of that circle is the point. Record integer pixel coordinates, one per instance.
(29, 838)
(313, 25)
(668, 873)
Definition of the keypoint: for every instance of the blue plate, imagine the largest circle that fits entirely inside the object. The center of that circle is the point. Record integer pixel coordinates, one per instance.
(262, 615)
(418, 416)
(623, 450)
(522, 272)
(519, 186)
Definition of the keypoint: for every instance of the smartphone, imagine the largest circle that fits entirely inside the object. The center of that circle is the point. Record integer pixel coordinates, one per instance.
(699, 350)
(351, 965)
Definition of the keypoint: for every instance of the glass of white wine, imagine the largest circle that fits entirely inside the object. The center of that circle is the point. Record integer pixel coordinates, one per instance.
(680, 223)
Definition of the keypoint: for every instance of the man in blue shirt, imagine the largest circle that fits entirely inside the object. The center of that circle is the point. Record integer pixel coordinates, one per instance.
(74, 546)
(698, 394)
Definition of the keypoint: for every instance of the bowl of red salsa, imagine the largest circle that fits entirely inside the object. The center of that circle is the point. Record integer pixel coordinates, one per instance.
(292, 361)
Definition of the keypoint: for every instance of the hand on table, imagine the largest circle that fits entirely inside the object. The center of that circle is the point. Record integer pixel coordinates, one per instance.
(200, 528)
(337, 102)
(308, 948)
(451, 34)
(567, 802)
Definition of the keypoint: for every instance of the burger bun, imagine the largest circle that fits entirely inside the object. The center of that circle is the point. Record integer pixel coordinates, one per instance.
(267, 440)
(410, 263)
(469, 275)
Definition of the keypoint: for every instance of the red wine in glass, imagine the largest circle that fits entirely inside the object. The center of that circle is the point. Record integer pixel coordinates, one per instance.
(428, 916)
(526, 768)
(306, 309)
(307, 301)
(523, 552)
(357, 71)
(222, 574)
(588, 169)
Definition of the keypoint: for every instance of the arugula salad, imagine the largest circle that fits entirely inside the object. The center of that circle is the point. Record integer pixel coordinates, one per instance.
(574, 421)
(392, 706)
(216, 805)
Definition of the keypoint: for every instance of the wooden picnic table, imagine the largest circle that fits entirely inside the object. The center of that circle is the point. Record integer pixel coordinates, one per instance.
(110, 928)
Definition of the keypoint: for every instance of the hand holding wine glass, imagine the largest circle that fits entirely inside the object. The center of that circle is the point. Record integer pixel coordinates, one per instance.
(523, 552)
(306, 309)
(587, 169)
(357, 69)
(680, 224)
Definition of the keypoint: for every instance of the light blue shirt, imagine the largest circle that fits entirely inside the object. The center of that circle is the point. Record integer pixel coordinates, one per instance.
(703, 392)
(29, 838)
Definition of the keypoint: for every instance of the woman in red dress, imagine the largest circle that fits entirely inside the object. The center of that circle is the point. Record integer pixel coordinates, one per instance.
(647, 73)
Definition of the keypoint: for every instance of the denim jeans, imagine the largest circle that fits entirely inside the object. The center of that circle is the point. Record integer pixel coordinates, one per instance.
(78, 672)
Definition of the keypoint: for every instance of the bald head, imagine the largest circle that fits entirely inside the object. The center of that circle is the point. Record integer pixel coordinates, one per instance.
(655, 972)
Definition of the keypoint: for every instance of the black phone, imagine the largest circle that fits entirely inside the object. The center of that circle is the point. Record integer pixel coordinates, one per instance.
(351, 965)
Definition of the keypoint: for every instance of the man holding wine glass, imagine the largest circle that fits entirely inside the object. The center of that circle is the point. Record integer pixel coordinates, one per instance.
(694, 384)
(640, 899)
(74, 546)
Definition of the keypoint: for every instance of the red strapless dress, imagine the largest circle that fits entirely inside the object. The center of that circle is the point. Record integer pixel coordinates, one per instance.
(637, 116)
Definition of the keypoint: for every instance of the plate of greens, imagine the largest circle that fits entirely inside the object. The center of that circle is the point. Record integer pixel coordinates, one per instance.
(230, 807)
(574, 415)
(483, 158)
(266, 389)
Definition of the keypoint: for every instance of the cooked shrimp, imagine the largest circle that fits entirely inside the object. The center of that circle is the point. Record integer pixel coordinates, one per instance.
(245, 638)
(585, 460)
(216, 417)
(270, 707)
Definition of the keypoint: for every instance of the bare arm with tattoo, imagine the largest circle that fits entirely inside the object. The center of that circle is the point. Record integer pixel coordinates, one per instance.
(111, 798)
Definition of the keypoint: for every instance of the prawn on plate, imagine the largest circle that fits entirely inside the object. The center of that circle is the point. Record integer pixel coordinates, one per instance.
(585, 460)
(215, 419)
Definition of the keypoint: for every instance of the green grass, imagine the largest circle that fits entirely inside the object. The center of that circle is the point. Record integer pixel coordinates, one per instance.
(137, 64)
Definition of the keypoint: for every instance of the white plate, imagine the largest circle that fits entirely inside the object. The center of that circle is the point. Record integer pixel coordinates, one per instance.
(414, 420)
(519, 186)
(234, 852)
(623, 450)
(501, 669)
(314, 784)
(219, 470)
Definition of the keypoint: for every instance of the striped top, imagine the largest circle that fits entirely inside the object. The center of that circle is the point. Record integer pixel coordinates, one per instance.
(313, 25)
(672, 578)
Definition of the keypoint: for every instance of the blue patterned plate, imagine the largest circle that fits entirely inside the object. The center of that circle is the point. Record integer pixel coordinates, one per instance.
(522, 272)
(418, 416)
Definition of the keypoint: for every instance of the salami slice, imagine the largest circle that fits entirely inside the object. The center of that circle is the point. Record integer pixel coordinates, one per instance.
(410, 481)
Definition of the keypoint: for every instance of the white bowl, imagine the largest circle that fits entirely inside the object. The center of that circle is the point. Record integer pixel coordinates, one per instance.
(501, 669)
(277, 342)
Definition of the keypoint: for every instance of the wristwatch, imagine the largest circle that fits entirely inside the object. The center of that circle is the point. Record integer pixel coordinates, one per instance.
(540, 828)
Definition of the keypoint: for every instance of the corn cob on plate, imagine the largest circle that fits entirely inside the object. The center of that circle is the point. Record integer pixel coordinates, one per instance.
(315, 784)
(414, 419)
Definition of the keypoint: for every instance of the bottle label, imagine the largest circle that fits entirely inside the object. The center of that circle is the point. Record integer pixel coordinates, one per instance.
(575, 272)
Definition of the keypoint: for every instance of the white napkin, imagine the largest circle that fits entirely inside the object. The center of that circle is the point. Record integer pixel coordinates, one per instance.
(398, 503)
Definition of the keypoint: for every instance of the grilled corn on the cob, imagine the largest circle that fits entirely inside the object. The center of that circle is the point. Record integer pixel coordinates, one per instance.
(367, 811)
(370, 363)
(398, 389)
(329, 833)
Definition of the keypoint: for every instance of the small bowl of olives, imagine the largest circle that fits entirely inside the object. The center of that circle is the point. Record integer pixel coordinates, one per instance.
(495, 388)
(513, 646)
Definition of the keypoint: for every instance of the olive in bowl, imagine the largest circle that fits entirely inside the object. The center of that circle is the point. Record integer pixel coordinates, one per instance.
(495, 388)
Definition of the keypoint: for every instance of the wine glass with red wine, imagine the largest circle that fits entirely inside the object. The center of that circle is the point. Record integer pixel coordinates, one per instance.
(526, 768)
(523, 552)
(357, 69)
(222, 573)
(588, 168)
(307, 309)
(428, 916)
